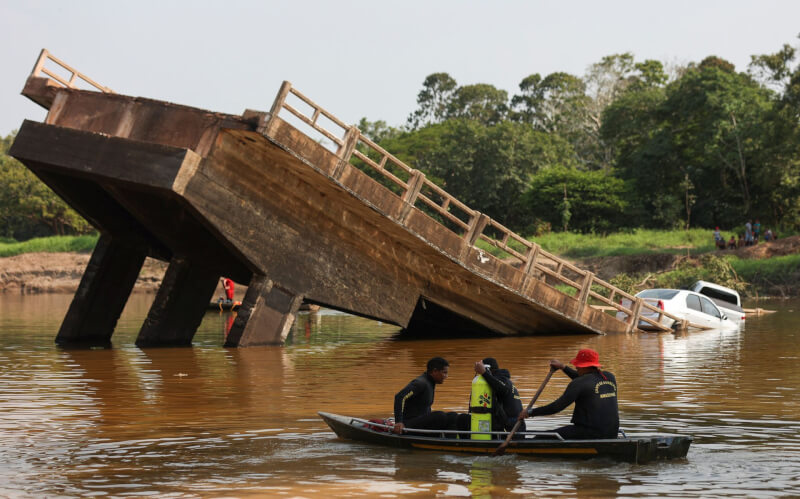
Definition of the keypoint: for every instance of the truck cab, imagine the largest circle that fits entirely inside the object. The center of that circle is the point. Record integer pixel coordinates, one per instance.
(727, 299)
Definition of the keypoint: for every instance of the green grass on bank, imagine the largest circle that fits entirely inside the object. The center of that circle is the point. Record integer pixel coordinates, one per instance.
(778, 275)
(634, 242)
(53, 244)
(773, 267)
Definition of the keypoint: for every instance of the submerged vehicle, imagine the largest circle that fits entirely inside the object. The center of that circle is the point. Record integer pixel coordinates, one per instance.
(727, 299)
(638, 449)
(693, 307)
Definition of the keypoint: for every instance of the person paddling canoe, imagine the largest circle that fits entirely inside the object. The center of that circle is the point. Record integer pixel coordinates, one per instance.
(594, 392)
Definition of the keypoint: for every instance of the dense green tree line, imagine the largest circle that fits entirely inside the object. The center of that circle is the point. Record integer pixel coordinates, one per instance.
(28, 208)
(628, 144)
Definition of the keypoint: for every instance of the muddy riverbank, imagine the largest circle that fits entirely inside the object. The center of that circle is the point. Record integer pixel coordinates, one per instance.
(32, 273)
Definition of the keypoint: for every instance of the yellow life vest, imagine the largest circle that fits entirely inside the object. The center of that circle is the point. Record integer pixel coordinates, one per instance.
(480, 408)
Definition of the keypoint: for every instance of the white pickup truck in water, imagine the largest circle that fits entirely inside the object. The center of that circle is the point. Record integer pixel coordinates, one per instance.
(705, 305)
(726, 299)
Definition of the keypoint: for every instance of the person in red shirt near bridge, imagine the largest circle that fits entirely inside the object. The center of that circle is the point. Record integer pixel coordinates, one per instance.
(594, 392)
(227, 285)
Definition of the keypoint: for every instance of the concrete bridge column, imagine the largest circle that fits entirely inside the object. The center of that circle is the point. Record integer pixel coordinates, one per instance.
(265, 316)
(104, 289)
(180, 303)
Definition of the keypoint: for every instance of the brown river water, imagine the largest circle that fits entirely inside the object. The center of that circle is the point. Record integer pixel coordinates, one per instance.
(207, 421)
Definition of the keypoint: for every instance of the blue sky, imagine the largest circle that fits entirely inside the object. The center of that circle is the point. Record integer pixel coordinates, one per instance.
(360, 58)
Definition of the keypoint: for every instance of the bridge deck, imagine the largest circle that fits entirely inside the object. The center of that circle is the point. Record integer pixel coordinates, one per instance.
(255, 198)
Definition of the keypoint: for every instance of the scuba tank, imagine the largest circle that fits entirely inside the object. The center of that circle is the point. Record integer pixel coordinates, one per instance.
(480, 408)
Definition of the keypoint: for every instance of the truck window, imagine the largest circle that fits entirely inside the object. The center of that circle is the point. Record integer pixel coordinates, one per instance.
(719, 295)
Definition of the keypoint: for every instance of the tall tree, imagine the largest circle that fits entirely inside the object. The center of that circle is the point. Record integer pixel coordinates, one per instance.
(605, 82)
(780, 183)
(589, 201)
(433, 100)
(607, 79)
(718, 116)
(650, 74)
(707, 131)
(377, 131)
(774, 69)
(553, 104)
(480, 102)
(28, 208)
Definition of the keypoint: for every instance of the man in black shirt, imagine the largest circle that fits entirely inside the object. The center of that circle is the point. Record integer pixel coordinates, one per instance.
(412, 404)
(594, 393)
(507, 401)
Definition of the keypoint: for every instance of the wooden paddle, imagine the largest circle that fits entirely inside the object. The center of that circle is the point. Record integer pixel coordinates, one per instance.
(502, 449)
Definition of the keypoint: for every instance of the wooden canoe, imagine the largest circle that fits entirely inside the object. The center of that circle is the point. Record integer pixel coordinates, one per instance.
(223, 305)
(639, 449)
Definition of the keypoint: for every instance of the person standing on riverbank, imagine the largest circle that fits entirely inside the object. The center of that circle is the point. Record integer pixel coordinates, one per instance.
(748, 233)
(594, 393)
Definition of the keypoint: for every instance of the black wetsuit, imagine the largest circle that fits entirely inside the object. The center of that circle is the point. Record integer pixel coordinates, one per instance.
(507, 403)
(596, 414)
(412, 406)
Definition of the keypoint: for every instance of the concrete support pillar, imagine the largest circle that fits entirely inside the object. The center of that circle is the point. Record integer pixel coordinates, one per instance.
(265, 316)
(104, 289)
(179, 305)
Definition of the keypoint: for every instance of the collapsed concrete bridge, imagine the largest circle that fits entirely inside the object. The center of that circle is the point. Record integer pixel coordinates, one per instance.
(256, 198)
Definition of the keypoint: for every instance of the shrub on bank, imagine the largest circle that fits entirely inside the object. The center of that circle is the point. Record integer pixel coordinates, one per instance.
(776, 276)
(53, 244)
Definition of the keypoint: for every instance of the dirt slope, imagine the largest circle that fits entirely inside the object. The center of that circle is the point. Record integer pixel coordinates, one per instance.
(61, 273)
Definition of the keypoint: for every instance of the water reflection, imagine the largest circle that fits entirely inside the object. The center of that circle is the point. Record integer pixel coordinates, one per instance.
(212, 421)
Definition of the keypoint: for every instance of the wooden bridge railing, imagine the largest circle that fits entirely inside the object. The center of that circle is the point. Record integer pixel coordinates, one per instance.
(74, 76)
(413, 187)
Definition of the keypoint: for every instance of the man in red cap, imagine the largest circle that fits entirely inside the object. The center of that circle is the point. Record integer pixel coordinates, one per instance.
(594, 393)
